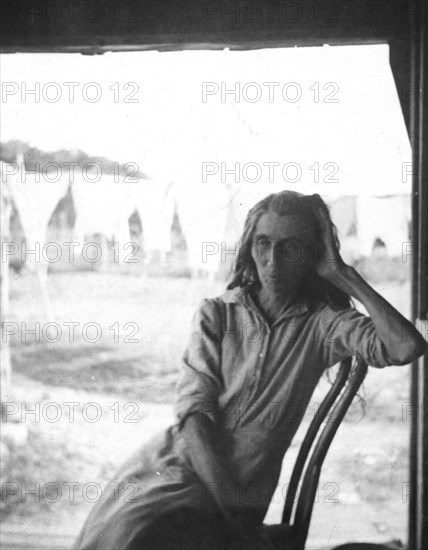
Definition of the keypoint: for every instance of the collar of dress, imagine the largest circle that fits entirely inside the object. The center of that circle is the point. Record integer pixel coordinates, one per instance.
(241, 295)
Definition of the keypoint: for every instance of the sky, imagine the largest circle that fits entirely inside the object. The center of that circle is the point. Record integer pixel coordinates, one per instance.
(321, 119)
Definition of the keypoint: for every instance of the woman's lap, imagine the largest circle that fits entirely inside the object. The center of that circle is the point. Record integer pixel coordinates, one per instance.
(185, 530)
(156, 504)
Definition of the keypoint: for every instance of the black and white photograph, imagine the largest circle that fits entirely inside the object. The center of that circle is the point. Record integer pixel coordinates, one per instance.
(214, 275)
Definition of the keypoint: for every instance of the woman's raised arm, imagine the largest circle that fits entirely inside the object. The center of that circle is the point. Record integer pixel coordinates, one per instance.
(401, 339)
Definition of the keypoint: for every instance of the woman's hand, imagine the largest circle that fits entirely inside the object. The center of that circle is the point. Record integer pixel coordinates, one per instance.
(205, 442)
(247, 536)
(329, 263)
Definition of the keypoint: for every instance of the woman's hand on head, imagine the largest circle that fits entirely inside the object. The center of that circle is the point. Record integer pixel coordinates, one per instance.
(328, 263)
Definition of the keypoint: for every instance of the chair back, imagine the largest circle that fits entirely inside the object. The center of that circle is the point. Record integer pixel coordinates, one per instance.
(307, 469)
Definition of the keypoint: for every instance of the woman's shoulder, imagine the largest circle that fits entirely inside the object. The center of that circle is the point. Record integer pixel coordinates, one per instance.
(328, 309)
(218, 308)
(209, 310)
(230, 296)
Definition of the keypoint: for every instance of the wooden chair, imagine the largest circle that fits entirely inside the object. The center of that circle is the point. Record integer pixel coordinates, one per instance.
(292, 533)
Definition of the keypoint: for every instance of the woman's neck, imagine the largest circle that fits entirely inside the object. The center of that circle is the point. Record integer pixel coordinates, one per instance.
(272, 304)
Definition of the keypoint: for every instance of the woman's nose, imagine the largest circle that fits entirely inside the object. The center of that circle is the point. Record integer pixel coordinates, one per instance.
(275, 254)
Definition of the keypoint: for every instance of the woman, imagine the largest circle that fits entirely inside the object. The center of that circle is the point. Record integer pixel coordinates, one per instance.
(254, 358)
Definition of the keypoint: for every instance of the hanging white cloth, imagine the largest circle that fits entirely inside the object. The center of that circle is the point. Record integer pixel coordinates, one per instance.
(103, 207)
(36, 196)
(155, 203)
(392, 215)
(203, 213)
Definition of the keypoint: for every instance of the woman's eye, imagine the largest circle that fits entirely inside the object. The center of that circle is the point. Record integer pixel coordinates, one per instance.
(292, 251)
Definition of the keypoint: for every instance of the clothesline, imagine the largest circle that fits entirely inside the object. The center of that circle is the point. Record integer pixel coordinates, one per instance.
(211, 214)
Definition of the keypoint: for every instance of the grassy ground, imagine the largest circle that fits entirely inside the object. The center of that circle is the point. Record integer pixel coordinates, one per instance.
(127, 379)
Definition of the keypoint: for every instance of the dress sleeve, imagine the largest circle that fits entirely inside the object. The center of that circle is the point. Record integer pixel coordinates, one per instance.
(200, 381)
(348, 332)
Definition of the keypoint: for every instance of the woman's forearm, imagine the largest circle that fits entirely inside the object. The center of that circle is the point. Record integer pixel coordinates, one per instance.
(205, 443)
(204, 439)
(402, 340)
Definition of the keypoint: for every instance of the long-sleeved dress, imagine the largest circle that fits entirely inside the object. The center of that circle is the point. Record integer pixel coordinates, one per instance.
(256, 380)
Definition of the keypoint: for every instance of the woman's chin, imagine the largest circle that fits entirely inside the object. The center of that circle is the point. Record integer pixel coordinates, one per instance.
(281, 285)
(274, 285)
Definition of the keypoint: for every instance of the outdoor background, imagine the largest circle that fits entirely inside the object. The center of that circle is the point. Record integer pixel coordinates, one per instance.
(131, 318)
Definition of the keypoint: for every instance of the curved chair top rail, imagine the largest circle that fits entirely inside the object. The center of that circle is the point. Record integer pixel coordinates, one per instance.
(337, 400)
(306, 446)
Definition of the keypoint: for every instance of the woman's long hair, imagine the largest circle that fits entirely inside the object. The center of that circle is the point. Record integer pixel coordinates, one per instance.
(284, 203)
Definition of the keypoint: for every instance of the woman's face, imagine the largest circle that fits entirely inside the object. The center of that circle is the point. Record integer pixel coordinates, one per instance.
(283, 249)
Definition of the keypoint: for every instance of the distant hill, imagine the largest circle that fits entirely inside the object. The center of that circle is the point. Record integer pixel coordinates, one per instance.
(32, 155)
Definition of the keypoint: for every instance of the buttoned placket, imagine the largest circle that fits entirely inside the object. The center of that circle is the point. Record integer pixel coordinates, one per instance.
(262, 355)
(265, 346)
